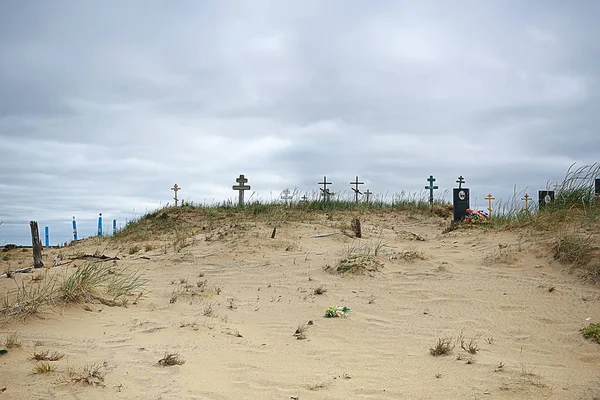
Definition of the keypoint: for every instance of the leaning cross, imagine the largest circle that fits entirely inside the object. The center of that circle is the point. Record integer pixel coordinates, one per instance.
(241, 187)
(326, 193)
(355, 188)
(431, 187)
(285, 195)
(176, 188)
(368, 193)
(489, 198)
(527, 200)
(460, 181)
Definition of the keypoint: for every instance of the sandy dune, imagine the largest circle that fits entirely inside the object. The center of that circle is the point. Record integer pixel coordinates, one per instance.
(502, 289)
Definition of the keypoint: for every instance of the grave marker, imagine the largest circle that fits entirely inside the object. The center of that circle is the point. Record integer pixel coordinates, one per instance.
(114, 227)
(368, 194)
(100, 225)
(74, 229)
(461, 200)
(545, 197)
(431, 188)
(527, 199)
(176, 189)
(355, 188)
(47, 237)
(285, 196)
(304, 199)
(324, 191)
(489, 198)
(597, 188)
(241, 188)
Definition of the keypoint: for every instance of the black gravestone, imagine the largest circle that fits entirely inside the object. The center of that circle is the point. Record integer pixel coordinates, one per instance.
(460, 203)
(597, 189)
(545, 197)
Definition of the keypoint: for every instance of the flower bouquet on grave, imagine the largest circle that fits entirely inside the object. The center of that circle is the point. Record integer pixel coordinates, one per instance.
(336, 311)
(475, 217)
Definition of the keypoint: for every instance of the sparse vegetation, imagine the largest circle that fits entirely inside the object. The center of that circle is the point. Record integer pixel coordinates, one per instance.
(443, 347)
(592, 331)
(574, 248)
(46, 356)
(44, 368)
(320, 290)
(171, 359)
(91, 375)
(12, 340)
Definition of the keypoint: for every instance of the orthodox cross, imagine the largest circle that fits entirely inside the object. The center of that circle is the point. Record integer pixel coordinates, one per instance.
(355, 188)
(527, 200)
(325, 192)
(175, 188)
(368, 193)
(241, 187)
(431, 187)
(489, 198)
(304, 199)
(460, 181)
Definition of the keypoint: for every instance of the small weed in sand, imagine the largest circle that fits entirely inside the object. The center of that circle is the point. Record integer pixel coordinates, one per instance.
(317, 386)
(301, 332)
(438, 375)
(500, 367)
(170, 359)
(148, 247)
(592, 331)
(531, 377)
(46, 356)
(320, 290)
(12, 341)
(91, 375)
(44, 368)
(470, 347)
(489, 340)
(231, 303)
(208, 311)
(358, 264)
(443, 347)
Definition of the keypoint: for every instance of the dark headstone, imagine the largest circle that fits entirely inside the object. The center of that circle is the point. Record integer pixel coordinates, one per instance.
(545, 197)
(597, 187)
(460, 203)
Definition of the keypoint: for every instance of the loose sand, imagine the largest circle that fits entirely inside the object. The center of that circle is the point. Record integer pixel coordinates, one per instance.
(501, 289)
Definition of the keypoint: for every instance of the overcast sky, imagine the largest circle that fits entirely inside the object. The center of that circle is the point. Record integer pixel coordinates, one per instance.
(104, 105)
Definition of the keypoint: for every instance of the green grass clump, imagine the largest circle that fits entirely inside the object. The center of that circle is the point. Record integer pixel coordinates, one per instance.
(592, 331)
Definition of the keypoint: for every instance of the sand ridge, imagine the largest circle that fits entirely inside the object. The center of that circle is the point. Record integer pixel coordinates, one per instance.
(500, 290)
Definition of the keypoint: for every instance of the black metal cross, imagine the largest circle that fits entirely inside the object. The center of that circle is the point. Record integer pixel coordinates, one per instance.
(460, 181)
(355, 188)
(368, 193)
(325, 192)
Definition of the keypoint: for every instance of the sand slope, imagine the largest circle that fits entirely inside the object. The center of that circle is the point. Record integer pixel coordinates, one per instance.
(494, 287)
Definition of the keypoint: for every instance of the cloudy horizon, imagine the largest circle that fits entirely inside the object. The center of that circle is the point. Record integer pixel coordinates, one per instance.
(105, 105)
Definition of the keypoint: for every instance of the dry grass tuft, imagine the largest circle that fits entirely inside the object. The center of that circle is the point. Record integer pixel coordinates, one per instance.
(46, 356)
(170, 359)
(574, 248)
(12, 341)
(443, 347)
(44, 368)
(92, 375)
(320, 290)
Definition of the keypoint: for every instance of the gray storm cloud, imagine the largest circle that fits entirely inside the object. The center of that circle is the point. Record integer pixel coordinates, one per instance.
(103, 106)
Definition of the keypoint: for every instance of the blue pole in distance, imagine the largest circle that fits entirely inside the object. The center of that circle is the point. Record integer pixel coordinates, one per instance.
(114, 226)
(74, 229)
(47, 237)
(100, 225)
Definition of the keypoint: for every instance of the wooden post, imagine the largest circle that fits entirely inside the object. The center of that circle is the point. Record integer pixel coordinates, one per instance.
(36, 244)
(356, 228)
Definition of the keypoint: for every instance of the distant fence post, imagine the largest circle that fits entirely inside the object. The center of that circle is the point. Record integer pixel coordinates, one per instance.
(100, 225)
(47, 236)
(74, 229)
(36, 244)
(114, 226)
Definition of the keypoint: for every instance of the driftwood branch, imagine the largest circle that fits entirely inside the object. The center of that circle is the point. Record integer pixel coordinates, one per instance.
(95, 257)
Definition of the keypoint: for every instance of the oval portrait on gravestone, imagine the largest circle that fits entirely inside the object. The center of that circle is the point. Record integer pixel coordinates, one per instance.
(547, 199)
(462, 195)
